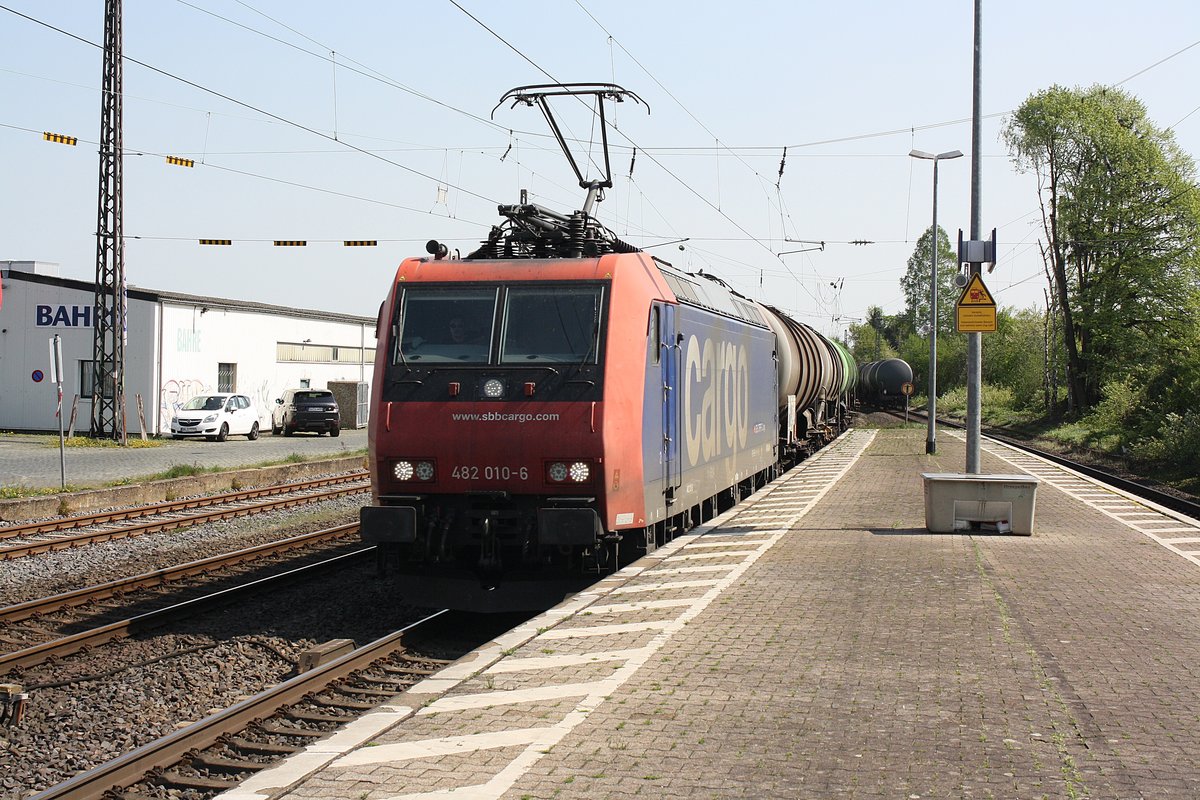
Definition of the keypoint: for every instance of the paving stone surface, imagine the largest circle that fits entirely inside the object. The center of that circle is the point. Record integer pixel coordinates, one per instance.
(832, 648)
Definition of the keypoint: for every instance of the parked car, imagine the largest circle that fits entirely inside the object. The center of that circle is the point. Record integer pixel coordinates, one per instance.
(306, 410)
(216, 417)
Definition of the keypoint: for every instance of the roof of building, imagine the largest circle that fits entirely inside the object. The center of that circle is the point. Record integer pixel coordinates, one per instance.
(155, 295)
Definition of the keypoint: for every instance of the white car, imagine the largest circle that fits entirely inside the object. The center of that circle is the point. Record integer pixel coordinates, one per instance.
(216, 417)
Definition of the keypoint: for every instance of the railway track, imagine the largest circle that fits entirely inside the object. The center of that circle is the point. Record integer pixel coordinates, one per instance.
(129, 679)
(40, 537)
(156, 578)
(217, 752)
(38, 654)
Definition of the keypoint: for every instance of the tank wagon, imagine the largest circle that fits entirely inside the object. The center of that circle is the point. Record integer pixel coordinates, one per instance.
(559, 402)
(817, 377)
(881, 382)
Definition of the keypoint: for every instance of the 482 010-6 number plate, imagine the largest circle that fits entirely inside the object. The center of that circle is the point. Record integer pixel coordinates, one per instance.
(490, 473)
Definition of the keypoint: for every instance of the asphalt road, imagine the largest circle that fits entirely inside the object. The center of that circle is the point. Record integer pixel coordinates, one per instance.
(32, 460)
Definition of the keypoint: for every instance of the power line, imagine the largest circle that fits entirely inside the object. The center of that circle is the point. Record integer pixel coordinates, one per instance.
(365, 71)
(660, 165)
(249, 106)
(1157, 63)
(295, 184)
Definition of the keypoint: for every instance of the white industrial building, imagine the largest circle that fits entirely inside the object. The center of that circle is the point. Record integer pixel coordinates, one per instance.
(177, 346)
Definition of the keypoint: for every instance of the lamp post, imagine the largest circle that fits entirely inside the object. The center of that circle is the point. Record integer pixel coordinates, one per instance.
(931, 430)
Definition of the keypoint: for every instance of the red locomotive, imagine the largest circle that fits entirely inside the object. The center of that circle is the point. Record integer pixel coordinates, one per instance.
(559, 393)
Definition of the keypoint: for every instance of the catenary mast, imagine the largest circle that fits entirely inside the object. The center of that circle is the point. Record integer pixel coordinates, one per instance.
(108, 319)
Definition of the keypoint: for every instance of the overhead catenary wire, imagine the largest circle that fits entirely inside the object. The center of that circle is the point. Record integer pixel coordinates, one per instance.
(360, 68)
(661, 166)
(729, 152)
(296, 184)
(241, 103)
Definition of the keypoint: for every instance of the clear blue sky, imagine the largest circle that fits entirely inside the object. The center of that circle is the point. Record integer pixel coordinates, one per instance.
(849, 89)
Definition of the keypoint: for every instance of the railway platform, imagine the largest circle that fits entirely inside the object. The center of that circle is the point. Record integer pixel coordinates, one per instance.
(817, 642)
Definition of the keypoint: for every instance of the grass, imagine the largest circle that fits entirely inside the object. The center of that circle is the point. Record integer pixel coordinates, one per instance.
(20, 492)
(87, 441)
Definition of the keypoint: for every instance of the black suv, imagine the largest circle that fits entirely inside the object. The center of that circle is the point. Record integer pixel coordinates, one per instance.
(306, 410)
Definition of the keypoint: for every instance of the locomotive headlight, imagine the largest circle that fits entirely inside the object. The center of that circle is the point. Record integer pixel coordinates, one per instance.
(413, 470)
(562, 472)
(493, 388)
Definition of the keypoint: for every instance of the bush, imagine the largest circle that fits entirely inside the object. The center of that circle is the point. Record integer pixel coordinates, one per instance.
(1175, 444)
(994, 400)
(1117, 410)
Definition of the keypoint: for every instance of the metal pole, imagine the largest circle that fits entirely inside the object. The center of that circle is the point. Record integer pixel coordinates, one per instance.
(931, 430)
(62, 445)
(57, 367)
(974, 341)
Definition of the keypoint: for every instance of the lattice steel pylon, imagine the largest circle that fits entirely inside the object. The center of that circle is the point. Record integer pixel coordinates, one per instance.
(108, 319)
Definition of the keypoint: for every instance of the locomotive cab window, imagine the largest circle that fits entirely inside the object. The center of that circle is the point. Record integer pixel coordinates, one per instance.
(447, 325)
(551, 325)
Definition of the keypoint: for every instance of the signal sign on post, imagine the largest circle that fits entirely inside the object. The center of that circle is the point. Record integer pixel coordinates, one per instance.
(976, 309)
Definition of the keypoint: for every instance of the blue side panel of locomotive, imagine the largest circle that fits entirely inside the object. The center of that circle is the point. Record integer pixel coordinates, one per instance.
(727, 400)
(711, 416)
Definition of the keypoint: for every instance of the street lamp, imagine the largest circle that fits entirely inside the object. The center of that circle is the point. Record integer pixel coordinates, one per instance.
(931, 430)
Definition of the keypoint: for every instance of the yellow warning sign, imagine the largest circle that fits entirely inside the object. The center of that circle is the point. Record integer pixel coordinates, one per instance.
(976, 310)
(976, 294)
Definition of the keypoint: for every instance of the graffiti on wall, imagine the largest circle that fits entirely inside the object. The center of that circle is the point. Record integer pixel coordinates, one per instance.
(262, 400)
(175, 393)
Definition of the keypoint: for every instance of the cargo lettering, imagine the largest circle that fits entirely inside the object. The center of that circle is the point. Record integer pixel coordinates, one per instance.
(719, 373)
(64, 316)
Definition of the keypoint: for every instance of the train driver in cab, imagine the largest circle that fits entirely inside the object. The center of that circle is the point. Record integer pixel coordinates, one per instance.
(462, 333)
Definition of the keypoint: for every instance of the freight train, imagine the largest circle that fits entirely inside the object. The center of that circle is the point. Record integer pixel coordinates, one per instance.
(559, 402)
(881, 383)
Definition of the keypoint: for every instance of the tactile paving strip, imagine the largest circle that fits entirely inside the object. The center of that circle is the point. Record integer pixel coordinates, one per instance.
(1176, 532)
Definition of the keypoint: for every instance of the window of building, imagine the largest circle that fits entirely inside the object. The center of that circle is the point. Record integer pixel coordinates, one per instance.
(87, 375)
(226, 377)
(323, 353)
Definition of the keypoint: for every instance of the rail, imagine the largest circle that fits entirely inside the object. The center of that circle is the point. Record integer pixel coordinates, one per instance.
(115, 775)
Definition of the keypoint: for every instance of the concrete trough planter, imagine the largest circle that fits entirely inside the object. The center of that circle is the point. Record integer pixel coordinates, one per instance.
(956, 502)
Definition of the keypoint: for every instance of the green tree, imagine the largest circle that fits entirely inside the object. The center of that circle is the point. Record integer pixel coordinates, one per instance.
(1016, 355)
(915, 284)
(877, 338)
(951, 358)
(1122, 221)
